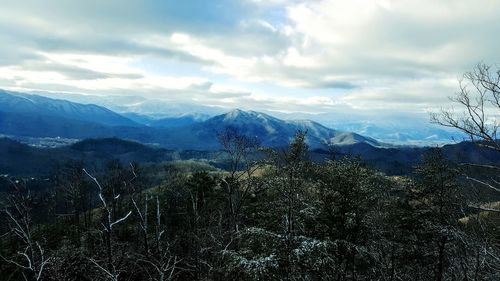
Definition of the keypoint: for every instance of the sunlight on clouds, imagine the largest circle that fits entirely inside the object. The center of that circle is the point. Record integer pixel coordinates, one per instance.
(294, 58)
(180, 38)
(100, 63)
(20, 76)
(380, 53)
(148, 82)
(270, 2)
(416, 95)
(224, 63)
(332, 22)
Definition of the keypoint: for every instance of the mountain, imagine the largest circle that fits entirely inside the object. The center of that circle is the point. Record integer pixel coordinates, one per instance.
(138, 105)
(179, 121)
(398, 128)
(422, 133)
(35, 125)
(402, 160)
(164, 109)
(24, 115)
(389, 127)
(270, 131)
(139, 118)
(167, 122)
(14, 102)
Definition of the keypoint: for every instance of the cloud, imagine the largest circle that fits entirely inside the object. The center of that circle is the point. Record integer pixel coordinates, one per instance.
(321, 55)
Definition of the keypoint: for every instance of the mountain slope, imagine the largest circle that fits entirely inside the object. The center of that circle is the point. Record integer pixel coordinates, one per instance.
(270, 131)
(13, 102)
(178, 121)
(21, 159)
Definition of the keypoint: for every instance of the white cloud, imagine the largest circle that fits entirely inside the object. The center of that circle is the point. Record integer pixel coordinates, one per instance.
(393, 54)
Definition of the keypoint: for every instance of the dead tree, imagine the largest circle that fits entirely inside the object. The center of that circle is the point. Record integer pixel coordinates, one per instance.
(159, 260)
(241, 150)
(478, 117)
(157, 256)
(31, 260)
(108, 224)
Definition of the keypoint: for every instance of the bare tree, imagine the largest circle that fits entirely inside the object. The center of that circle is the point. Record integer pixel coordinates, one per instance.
(241, 151)
(108, 223)
(31, 260)
(479, 98)
(163, 263)
(159, 258)
(478, 117)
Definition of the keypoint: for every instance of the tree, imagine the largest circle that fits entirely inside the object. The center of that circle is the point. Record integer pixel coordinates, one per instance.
(205, 229)
(439, 198)
(31, 258)
(240, 150)
(346, 200)
(75, 194)
(479, 118)
(479, 97)
(109, 221)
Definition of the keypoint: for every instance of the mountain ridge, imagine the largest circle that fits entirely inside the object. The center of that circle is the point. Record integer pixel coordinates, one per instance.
(36, 116)
(16, 102)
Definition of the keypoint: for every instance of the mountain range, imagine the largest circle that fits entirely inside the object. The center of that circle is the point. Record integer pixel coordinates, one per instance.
(29, 115)
(95, 134)
(394, 127)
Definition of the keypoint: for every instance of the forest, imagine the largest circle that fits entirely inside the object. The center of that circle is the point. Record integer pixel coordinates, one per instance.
(280, 217)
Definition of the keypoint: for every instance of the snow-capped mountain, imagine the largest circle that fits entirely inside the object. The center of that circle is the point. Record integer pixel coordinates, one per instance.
(270, 131)
(36, 116)
(396, 128)
(167, 122)
(138, 105)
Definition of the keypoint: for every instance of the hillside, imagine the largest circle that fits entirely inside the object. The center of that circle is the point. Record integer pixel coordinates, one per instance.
(21, 159)
(18, 158)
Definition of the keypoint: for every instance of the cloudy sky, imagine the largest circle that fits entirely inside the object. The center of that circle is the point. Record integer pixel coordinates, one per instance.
(287, 55)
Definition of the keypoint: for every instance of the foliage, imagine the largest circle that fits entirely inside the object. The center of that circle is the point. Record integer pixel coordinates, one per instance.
(285, 218)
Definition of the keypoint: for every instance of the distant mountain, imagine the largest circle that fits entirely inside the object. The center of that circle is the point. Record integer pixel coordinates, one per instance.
(138, 105)
(164, 109)
(270, 131)
(19, 103)
(399, 128)
(26, 115)
(404, 132)
(139, 118)
(167, 122)
(403, 159)
(394, 127)
(179, 121)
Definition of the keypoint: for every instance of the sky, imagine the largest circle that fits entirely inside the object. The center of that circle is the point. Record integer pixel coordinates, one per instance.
(315, 56)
